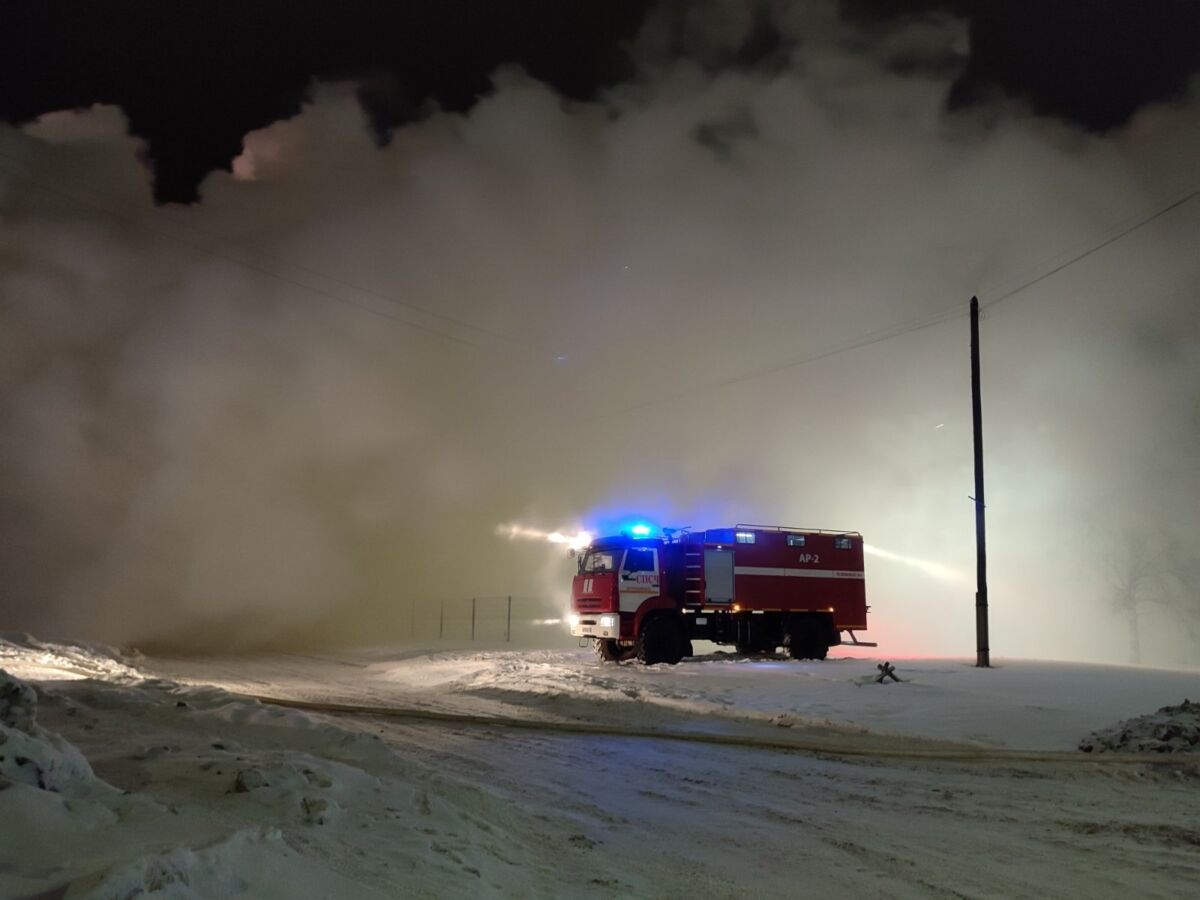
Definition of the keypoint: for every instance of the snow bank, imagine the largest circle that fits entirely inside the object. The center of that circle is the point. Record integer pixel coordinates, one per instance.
(224, 712)
(49, 795)
(233, 797)
(29, 754)
(222, 802)
(252, 862)
(1172, 729)
(181, 873)
(29, 658)
(304, 788)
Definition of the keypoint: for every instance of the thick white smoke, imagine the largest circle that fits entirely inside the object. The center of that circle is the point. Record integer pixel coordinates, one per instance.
(296, 410)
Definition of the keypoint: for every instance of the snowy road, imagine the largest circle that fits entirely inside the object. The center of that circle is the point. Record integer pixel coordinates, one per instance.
(1018, 705)
(400, 807)
(659, 819)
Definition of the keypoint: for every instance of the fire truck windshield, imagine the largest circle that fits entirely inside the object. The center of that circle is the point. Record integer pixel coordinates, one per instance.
(599, 561)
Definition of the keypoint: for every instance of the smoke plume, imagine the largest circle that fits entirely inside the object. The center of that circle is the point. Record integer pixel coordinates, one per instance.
(297, 411)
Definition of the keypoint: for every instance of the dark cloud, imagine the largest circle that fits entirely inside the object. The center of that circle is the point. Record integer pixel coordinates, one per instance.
(722, 135)
(194, 79)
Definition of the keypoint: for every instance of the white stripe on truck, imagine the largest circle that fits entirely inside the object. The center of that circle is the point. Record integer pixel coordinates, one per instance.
(796, 573)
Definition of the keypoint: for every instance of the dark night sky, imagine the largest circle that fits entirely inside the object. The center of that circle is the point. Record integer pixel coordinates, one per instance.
(194, 77)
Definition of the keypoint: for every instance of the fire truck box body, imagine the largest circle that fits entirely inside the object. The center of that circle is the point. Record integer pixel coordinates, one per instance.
(756, 587)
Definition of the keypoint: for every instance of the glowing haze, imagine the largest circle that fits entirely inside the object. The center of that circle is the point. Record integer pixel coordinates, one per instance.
(572, 540)
(296, 411)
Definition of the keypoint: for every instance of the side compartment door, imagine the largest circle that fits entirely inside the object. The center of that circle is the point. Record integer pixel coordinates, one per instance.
(638, 578)
(718, 576)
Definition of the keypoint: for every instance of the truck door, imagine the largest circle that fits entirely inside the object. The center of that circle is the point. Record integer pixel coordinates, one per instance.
(718, 576)
(639, 577)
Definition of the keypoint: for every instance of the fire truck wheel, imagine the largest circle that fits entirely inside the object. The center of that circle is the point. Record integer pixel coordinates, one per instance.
(660, 640)
(609, 650)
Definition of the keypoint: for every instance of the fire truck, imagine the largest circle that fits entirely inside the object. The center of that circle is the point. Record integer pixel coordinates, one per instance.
(753, 586)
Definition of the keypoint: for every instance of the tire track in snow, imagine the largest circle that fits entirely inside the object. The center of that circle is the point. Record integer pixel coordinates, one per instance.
(860, 745)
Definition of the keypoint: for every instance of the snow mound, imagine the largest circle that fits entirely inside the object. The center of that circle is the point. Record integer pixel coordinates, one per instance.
(29, 754)
(1173, 729)
(222, 710)
(304, 788)
(182, 874)
(30, 658)
(252, 862)
(18, 703)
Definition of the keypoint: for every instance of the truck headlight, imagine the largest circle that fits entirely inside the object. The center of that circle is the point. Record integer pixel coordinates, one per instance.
(573, 620)
(608, 621)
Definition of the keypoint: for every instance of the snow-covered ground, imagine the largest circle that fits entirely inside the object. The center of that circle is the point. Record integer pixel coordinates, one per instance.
(1016, 704)
(512, 773)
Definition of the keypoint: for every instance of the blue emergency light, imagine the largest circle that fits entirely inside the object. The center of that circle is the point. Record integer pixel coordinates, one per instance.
(640, 530)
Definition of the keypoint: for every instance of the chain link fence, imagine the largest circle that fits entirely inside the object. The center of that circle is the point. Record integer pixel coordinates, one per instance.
(504, 618)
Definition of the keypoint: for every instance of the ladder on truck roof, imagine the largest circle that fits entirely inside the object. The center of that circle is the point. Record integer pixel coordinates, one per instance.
(693, 581)
(746, 527)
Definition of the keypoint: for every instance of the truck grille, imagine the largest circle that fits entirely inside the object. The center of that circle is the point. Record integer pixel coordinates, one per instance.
(589, 604)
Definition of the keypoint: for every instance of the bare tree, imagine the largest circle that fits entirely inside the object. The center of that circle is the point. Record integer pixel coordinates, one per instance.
(1151, 567)
(1131, 569)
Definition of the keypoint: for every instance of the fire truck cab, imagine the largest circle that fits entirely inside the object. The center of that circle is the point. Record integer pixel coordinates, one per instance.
(753, 586)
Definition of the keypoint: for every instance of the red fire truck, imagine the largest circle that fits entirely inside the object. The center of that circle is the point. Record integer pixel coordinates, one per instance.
(756, 587)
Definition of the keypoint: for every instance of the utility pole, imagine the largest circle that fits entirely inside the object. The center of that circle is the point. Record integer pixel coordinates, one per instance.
(982, 651)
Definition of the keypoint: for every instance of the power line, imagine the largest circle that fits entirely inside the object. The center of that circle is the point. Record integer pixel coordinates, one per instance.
(866, 340)
(1095, 249)
(929, 321)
